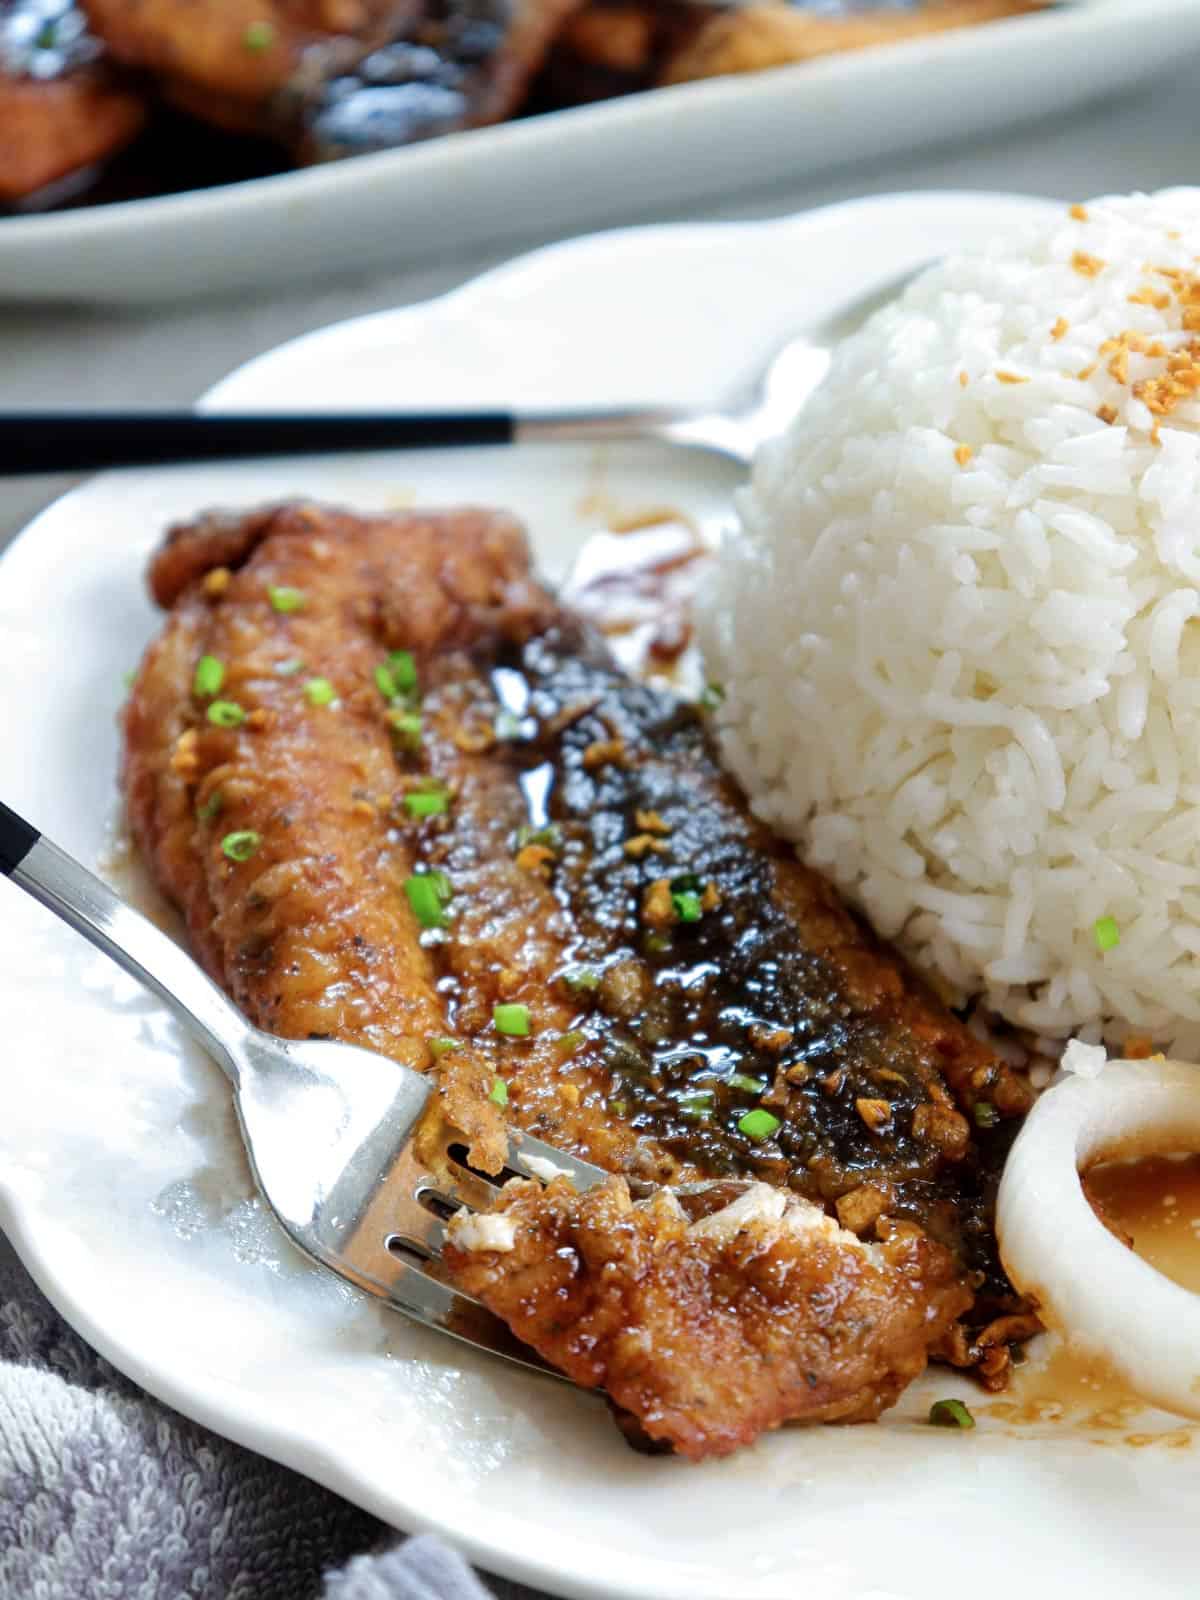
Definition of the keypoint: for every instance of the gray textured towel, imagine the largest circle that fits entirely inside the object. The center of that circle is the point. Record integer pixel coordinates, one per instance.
(107, 1495)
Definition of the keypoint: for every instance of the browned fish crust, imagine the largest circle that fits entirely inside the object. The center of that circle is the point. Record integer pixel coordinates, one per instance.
(711, 1341)
(696, 1003)
(312, 935)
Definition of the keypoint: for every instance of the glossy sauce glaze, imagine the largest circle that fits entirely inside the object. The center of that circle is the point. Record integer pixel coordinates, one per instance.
(636, 585)
(725, 1010)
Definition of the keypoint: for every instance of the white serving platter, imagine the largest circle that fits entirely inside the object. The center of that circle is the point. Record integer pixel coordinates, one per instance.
(122, 1182)
(596, 165)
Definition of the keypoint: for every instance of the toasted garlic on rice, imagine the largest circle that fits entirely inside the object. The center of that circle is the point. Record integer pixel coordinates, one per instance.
(1103, 1298)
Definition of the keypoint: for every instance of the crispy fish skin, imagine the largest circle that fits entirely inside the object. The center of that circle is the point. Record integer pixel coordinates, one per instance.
(711, 1340)
(767, 994)
(776, 984)
(312, 935)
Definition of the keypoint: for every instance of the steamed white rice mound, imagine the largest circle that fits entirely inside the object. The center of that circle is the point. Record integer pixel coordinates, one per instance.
(959, 626)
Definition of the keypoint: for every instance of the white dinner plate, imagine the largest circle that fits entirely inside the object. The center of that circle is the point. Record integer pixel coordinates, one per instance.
(595, 165)
(122, 1182)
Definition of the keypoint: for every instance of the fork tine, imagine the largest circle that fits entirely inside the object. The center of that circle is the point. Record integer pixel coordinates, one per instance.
(375, 1251)
(434, 1304)
(583, 1174)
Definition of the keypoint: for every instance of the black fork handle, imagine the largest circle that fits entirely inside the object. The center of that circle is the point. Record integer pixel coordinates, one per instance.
(17, 839)
(59, 441)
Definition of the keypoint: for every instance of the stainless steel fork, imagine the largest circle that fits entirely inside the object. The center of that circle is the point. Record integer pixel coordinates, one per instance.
(328, 1127)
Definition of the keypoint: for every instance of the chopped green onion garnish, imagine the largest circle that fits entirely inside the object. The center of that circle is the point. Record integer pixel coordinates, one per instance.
(443, 1047)
(208, 678)
(618, 1107)
(403, 670)
(570, 1042)
(581, 980)
(319, 691)
(697, 1097)
(289, 669)
(758, 1124)
(550, 837)
(211, 807)
(426, 802)
(743, 1080)
(284, 598)
(950, 1414)
(241, 846)
(507, 726)
(425, 900)
(259, 36)
(226, 714)
(512, 1020)
(687, 906)
(441, 886)
(1107, 934)
(985, 1114)
(406, 725)
(656, 944)
(385, 683)
(712, 696)
(499, 1094)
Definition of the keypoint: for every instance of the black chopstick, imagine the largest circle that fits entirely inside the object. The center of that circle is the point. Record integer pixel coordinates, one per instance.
(62, 441)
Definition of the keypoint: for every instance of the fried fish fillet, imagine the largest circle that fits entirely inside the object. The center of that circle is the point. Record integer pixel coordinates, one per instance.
(710, 1332)
(405, 799)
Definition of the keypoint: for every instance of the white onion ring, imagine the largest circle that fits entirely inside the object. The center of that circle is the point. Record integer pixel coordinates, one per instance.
(1106, 1300)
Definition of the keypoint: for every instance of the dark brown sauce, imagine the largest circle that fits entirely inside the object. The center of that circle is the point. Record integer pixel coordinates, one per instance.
(1058, 1384)
(1063, 1386)
(637, 583)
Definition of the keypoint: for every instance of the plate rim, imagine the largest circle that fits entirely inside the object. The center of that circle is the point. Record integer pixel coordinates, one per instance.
(438, 158)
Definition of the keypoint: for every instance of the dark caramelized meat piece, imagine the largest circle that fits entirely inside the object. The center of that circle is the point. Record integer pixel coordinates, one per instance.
(598, 922)
(614, 47)
(62, 111)
(459, 64)
(328, 78)
(752, 37)
(235, 56)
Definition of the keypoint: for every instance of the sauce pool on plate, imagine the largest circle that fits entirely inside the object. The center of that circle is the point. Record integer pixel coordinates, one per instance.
(1156, 1201)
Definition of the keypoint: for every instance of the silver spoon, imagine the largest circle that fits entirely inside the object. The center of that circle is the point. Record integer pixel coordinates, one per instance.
(56, 441)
